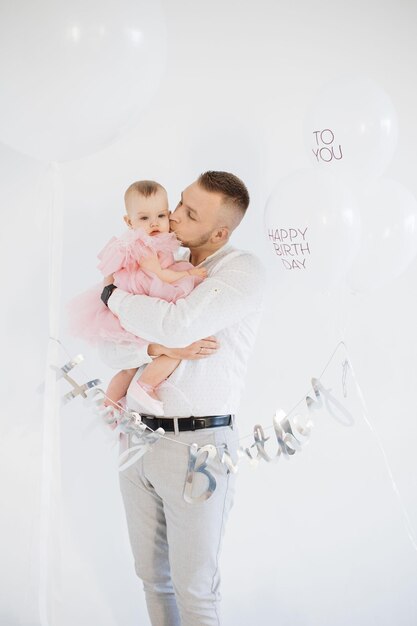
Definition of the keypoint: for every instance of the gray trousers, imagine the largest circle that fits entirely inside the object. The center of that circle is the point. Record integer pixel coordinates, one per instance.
(176, 544)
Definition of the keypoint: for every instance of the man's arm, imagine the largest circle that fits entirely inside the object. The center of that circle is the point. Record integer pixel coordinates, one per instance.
(125, 356)
(218, 302)
(200, 349)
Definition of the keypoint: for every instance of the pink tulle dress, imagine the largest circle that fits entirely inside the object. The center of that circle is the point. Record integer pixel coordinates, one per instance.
(91, 320)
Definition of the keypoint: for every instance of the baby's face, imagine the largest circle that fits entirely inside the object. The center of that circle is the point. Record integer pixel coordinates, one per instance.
(150, 213)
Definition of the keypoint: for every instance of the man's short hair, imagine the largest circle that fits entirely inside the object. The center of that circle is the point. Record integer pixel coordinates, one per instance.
(230, 186)
(145, 188)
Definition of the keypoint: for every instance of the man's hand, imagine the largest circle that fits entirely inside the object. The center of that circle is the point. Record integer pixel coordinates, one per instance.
(198, 350)
(108, 280)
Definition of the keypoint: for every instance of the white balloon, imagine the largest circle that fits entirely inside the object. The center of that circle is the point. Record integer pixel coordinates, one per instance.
(351, 129)
(74, 74)
(312, 229)
(389, 235)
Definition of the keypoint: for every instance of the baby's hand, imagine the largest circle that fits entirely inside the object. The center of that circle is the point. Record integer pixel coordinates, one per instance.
(199, 271)
(108, 280)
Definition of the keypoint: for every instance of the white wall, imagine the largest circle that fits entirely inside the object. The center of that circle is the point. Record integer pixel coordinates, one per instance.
(320, 540)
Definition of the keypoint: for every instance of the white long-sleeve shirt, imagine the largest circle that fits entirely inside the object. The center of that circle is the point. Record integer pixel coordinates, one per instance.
(227, 304)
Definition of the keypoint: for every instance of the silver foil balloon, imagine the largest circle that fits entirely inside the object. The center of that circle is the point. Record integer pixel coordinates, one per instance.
(131, 422)
(260, 440)
(301, 427)
(346, 368)
(288, 444)
(78, 390)
(290, 435)
(226, 459)
(142, 443)
(198, 465)
(95, 397)
(324, 398)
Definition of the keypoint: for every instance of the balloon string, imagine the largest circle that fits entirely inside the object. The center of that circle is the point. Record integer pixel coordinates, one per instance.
(343, 313)
(406, 518)
(50, 432)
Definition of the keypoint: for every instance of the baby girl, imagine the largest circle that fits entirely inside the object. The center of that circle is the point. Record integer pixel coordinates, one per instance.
(141, 261)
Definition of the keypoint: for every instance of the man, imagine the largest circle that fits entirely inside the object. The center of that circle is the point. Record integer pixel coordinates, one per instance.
(176, 544)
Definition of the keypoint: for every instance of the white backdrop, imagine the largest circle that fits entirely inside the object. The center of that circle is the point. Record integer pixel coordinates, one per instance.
(319, 541)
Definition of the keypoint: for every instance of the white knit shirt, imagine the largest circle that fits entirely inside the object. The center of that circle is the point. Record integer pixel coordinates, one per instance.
(227, 304)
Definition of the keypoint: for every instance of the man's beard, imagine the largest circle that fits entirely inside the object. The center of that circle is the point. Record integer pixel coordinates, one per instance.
(195, 243)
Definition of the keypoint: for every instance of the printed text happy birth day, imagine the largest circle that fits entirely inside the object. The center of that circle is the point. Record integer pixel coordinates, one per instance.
(292, 244)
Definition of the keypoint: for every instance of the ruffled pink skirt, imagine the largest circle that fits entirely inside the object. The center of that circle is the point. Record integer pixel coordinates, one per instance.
(92, 321)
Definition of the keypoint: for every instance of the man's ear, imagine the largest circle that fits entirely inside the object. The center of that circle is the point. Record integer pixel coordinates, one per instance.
(221, 234)
(128, 221)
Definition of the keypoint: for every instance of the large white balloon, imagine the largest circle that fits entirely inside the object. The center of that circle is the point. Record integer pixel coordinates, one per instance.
(351, 129)
(389, 235)
(312, 229)
(74, 74)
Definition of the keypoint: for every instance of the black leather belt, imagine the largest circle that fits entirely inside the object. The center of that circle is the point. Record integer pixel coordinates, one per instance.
(186, 423)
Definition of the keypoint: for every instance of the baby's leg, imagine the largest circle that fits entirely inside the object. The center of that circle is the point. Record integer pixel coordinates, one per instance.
(143, 390)
(156, 372)
(118, 386)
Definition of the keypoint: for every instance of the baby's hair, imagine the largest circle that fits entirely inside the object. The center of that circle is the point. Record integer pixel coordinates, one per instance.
(145, 188)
